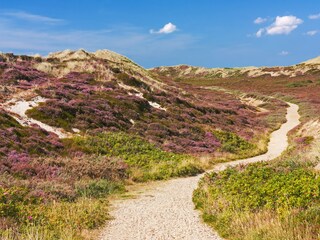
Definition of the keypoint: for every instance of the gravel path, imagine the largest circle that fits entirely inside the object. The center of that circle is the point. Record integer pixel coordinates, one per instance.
(166, 211)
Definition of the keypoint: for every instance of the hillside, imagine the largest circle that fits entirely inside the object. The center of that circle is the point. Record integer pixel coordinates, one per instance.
(103, 91)
(309, 67)
(79, 126)
(300, 81)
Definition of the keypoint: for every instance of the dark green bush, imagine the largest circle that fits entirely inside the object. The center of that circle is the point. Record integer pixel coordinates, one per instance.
(260, 186)
(142, 156)
(299, 84)
(98, 188)
(132, 81)
(285, 196)
(233, 143)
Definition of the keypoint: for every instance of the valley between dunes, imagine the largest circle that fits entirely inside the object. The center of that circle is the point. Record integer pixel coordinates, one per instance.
(165, 210)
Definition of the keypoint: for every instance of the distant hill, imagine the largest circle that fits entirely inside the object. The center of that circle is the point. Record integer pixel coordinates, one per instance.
(181, 71)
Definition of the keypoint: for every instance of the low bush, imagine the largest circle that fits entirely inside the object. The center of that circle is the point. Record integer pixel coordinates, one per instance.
(132, 81)
(98, 188)
(151, 162)
(299, 84)
(251, 202)
(233, 143)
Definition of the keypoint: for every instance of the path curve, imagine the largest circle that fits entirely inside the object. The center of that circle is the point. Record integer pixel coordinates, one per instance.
(167, 212)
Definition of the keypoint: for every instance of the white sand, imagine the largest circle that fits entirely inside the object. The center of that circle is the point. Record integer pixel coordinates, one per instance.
(17, 109)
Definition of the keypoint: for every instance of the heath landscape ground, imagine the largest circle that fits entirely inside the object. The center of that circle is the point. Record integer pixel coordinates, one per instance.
(79, 130)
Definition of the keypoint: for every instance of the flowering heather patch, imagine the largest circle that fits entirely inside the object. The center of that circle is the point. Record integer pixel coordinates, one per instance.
(301, 87)
(19, 142)
(21, 74)
(79, 101)
(31, 187)
(94, 101)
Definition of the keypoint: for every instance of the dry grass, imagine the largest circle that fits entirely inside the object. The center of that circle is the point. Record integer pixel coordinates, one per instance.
(268, 225)
(62, 220)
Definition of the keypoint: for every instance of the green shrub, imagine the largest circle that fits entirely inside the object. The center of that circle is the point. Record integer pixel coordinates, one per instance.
(64, 119)
(11, 200)
(151, 162)
(98, 188)
(233, 143)
(240, 203)
(132, 81)
(261, 186)
(299, 84)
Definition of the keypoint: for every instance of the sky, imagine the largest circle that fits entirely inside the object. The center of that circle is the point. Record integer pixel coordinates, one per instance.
(208, 33)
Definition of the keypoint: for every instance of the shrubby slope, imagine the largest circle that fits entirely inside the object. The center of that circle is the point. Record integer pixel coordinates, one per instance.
(125, 125)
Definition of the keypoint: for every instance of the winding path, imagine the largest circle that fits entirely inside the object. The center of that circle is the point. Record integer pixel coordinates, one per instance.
(166, 211)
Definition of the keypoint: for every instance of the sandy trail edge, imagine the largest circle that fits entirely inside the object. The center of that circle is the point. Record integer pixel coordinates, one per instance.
(17, 108)
(166, 211)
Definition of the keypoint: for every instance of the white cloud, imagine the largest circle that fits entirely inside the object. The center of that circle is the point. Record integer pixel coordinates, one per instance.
(314, 16)
(312, 33)
(168, 28)
(282, 25)
(260, 20)
(260, 32)
(31, 17)
(284, 53)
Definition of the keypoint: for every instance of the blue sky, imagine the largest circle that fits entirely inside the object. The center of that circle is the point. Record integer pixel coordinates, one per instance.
(167, 32)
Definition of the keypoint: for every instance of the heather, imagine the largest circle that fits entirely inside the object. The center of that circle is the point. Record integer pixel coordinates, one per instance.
(19, 142)
(20, 73)
(301, 87)
(183, 127)
(112, 96)
(60, 195)
(67, 194)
